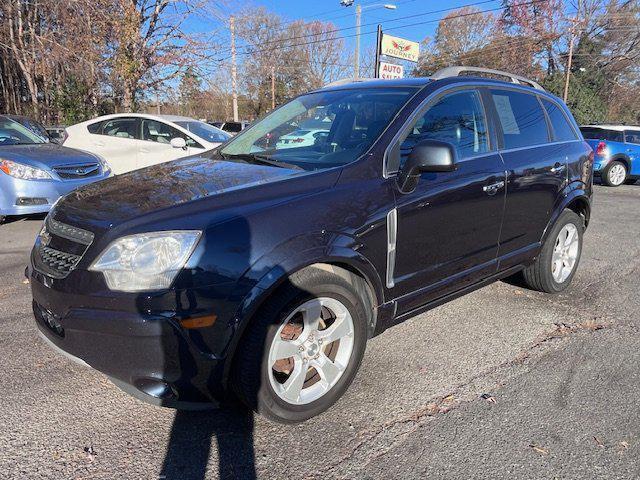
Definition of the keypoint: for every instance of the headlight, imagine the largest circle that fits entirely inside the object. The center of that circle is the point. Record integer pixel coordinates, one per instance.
(24, 172)
(147, 261)
(104, 164)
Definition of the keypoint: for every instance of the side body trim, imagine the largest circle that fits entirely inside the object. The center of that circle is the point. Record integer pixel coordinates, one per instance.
(392, 237)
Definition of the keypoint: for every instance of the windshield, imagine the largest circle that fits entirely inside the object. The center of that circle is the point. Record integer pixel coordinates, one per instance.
(205, 131)
(322, 129)
(13, 133)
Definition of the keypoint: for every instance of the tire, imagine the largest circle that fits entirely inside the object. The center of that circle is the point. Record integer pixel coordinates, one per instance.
(259, 383)
(615, 174)
(540, 275)
(2, 218)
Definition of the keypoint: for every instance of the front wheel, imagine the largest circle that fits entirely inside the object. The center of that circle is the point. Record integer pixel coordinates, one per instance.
(303, 349)
(615, 174)
(554, 268)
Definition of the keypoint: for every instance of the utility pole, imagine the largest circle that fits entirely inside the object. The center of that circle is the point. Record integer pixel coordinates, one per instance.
(356, 62)
(234, 68)
(273, 88)
(570, 58)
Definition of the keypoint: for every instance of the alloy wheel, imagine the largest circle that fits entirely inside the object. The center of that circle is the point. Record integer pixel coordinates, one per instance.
(617, 174)
(311, 350)
(565, 253)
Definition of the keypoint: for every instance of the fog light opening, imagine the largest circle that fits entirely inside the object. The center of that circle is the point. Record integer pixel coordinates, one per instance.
(30, 201)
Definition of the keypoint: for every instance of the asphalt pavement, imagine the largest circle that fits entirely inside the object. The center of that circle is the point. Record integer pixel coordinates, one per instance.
(502, 383)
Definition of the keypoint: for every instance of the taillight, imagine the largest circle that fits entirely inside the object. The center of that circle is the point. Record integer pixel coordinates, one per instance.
(601, 149)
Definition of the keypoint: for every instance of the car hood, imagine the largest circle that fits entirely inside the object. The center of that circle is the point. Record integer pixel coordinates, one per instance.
(162, 187)
(45, 155)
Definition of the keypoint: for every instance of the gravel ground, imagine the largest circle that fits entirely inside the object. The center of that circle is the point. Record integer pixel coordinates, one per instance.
(502, 383)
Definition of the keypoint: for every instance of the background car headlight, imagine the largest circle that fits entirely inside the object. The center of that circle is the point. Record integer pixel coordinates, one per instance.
(146, 261)
(106, 168)
(25, 172)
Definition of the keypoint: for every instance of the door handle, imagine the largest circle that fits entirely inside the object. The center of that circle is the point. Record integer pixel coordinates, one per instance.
(493, 188)
(557, 168)
(144, 150)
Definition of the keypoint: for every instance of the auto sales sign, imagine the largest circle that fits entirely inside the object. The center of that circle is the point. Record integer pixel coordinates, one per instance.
(389, 70)
(399, 48)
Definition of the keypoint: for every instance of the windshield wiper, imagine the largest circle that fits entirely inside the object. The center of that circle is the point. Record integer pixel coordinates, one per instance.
(263, 159)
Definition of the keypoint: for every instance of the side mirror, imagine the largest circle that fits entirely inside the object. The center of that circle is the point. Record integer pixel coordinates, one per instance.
(426, 156)
(179, 142)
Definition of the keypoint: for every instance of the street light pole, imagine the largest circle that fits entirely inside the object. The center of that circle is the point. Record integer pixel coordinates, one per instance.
(356, 63)
(356, 57)
(234, 68)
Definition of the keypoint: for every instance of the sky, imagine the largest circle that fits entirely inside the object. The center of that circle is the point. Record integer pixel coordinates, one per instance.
(373, 13)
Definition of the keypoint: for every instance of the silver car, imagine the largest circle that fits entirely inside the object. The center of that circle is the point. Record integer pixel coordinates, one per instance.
(34, 173)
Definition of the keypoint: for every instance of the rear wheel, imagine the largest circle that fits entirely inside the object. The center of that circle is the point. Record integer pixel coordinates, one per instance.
(303, 349)
(615, 174)
(556, 265)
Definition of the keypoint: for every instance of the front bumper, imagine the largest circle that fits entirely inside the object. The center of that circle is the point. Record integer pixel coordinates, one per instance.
(147, 355)
(12, 189)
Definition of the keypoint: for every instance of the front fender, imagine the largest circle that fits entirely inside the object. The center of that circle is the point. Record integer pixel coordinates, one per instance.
(269, 272)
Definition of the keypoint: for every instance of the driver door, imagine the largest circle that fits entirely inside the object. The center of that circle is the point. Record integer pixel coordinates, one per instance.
(448, 227)
(156, 145)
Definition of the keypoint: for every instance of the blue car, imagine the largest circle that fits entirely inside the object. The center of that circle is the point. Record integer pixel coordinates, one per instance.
(617, 152)
(34, 173)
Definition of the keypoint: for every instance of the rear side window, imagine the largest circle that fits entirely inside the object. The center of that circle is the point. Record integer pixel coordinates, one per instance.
(595, 133)
(562, 129)
(632, 136)
(122, 128)
(521, 118)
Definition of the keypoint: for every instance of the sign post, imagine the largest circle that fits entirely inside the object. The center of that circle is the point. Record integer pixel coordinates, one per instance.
(395, 47)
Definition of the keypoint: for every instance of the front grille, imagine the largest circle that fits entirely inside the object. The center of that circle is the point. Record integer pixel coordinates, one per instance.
(59, 248)
(75, 172)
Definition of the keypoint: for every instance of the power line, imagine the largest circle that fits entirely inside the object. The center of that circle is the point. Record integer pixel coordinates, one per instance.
(531, 2)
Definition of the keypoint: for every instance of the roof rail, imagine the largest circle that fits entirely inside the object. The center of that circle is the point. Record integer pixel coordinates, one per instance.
(457, 70)
(344, 81)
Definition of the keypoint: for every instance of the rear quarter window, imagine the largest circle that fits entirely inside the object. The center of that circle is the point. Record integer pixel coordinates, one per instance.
(632, 136)
(521, 118)
(95, 127)
(562, 129)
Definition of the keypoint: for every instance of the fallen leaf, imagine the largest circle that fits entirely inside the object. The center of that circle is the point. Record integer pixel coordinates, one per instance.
(540, 450)
(488, 398)
(598, 442)
(624, 445)
(448, 398)
(25, 281)
(518, 292)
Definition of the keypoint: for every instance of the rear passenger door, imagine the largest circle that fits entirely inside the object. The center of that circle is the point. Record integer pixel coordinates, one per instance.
(536, 171)
(117, 140)
(632, 140)
(448, 227)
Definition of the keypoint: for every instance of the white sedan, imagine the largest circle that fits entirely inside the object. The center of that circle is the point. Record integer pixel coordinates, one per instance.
(131, 141)
(301, 138)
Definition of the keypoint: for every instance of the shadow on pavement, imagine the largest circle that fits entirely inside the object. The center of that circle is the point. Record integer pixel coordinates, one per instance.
(192, 436)
(18, 218)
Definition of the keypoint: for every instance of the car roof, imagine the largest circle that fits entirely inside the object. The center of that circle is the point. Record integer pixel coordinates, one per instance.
(619, 128)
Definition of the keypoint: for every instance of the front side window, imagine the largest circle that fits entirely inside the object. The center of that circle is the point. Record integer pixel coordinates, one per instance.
(205, 131)
(121, 128)
(562, 129)
(632, 136)
(521, 118)
(458, 119)
(13, 133)
(341, 125)
(160, 132)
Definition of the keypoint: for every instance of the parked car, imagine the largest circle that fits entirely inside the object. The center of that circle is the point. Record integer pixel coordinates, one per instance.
(232, 128)
(35, 173)
(617, 152)
(301, 138)
(132, 141)
(264, 272)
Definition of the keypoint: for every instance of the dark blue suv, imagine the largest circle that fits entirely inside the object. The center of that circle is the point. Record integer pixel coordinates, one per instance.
(258, 273)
